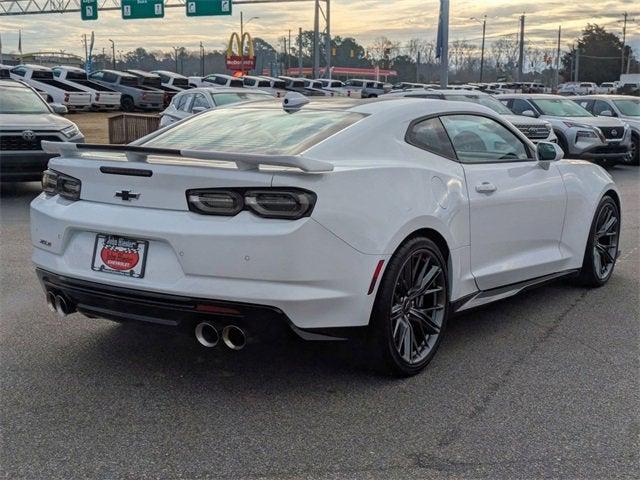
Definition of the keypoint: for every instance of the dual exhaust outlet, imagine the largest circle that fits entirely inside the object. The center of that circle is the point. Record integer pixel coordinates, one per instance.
(232, 336)
(59, 304)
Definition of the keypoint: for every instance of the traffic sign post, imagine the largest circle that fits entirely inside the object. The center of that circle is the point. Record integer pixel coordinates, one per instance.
(89, 9)
(136, 9)
(200, 8)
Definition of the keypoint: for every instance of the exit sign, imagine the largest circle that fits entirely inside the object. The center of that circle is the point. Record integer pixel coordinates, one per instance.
(201, 8)
(89, 9)
(136, 9)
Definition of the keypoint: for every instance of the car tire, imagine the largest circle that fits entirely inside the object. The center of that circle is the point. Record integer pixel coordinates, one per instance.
(601, 251)
(401, 314)
(127, 103)
(635, 150)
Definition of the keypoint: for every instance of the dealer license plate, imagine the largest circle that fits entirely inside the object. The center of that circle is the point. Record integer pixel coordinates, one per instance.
(119, 255)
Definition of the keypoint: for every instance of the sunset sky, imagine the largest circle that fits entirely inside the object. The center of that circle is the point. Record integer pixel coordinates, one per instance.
(363, 19)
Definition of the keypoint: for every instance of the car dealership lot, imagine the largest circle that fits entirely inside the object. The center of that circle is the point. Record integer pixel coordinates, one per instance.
(544, 383)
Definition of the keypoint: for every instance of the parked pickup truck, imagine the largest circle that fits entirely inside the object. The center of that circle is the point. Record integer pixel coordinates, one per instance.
(133, 95)
(153, 80)
(173, 79)
(41, 79)
(102, 98)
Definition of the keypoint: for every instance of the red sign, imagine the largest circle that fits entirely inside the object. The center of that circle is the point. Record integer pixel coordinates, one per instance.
(237, 62)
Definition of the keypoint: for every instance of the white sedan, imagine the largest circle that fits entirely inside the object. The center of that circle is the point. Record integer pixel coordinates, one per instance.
(196, 100)
(334, 219)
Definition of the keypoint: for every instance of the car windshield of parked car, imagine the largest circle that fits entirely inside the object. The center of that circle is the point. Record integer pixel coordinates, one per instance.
(256, 130)
(21, 100)
(227, 98)
(560, 107)
(629, 107)
(485, 101)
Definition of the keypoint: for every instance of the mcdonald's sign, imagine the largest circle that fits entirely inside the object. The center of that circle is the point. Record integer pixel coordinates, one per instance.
(237, 59)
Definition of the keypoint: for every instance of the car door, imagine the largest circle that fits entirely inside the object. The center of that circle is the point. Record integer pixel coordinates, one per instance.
(516, 203)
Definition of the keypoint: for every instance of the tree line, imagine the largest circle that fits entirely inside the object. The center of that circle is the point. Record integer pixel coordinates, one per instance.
(599, 52)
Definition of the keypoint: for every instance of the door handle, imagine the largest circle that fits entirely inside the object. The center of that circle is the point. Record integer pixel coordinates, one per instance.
(486, 187)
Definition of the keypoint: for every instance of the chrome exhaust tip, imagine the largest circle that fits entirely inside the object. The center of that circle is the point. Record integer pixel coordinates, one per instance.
(62, 307)
(207, 335)
(51, 301)
(234, 337)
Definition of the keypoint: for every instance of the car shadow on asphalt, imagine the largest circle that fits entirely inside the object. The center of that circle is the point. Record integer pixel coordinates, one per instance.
(143, 352)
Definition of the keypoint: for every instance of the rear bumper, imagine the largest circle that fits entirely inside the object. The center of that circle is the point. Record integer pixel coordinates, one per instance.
(24, 166)
(180, 313)
(298, 267)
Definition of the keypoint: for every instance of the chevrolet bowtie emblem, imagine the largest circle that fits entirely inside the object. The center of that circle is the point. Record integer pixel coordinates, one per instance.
(127, 195)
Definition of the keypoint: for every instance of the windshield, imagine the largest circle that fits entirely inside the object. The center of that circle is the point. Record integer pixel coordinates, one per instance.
(485, 101)
(255, 130)
(629, 107)
(560, 107)
(21, 100)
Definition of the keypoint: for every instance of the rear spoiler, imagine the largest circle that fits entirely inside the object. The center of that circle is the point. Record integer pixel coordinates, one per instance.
(243, 161)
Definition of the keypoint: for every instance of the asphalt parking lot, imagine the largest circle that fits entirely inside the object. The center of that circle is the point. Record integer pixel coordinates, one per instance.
(546, 384)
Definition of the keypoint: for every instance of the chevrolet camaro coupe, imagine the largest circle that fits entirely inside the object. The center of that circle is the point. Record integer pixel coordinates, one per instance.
(373, 221)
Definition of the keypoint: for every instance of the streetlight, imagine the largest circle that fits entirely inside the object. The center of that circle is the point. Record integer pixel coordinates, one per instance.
(113, 54)
(484, 29)
(242, 23)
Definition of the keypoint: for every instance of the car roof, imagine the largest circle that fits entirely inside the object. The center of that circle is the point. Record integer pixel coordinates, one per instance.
(533, 96)
(11, 83)
(116, 72)
(213, 90)
(70, 68)
(141, 73)
(603, 96)
(223, 75)
(168, 73)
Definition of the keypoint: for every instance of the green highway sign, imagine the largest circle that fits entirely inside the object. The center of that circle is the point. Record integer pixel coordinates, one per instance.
(136, 9)
(89, 9)
(200, 8)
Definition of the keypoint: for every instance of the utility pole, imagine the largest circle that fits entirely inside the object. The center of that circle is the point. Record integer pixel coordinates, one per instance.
(113, 54)
(175, 52)
(557, 82)
(624, 38)
(577, 64)
(289, 54)
(444, 43)
(327, 46)
(201, 59)
(484, 31)
(300, 51)
(316, 40)
(418, 67)
(521, 49)
(86, 50)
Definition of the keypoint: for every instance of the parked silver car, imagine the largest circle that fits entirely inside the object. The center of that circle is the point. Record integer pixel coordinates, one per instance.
(25, 120)
(580, 134)
(623, 107)
(196, 100)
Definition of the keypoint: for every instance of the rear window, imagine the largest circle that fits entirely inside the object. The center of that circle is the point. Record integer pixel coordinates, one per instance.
(131, 81)
(236, 83)
(40, 75)
(181, 82)
(256, 130)
(76, 76)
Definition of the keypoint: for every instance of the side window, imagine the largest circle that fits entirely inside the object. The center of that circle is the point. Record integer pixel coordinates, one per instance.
(96, 76)
(56, 73)
(199, 101)
(520, 106)
(19, 71)
(219, 80)
(586, 104)
(479, 139)
(110, 77)
(430, 135)
(599, 106)
(184, 103)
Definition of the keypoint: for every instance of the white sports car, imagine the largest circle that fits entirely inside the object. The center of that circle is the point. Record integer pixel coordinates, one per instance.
(334, 219)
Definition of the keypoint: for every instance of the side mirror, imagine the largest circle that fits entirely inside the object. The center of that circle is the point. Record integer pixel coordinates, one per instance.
(548, 151)
(529, 113)
(606, 113)
(197, 109)
(59, 108)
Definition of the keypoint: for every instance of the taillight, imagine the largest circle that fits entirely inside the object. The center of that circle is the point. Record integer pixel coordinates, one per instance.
(283, 203)
(56, 183)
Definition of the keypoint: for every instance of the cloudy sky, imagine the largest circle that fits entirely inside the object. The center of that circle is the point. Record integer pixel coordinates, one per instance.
(363, 19)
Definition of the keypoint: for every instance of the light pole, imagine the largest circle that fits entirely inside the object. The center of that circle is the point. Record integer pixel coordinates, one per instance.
(242, 24)
(484, 29)
(113, 54)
